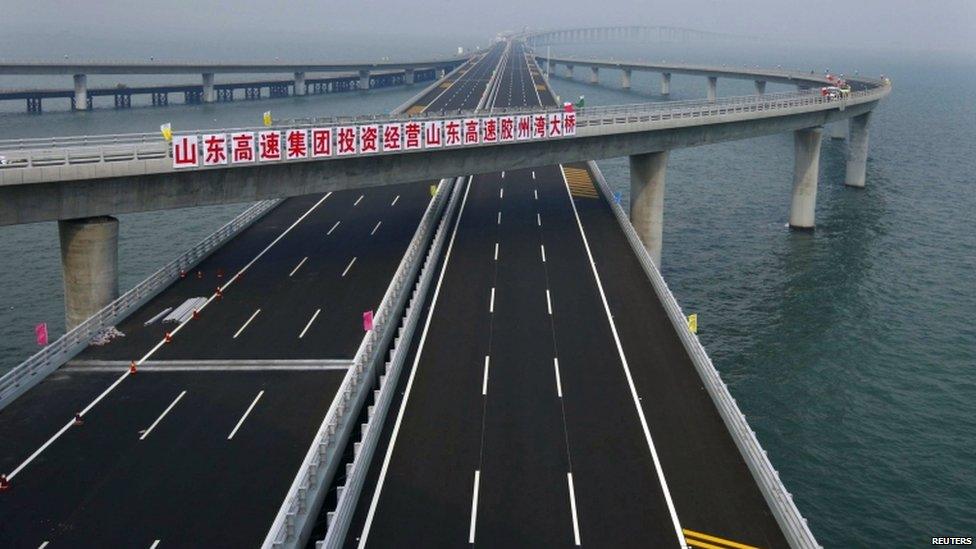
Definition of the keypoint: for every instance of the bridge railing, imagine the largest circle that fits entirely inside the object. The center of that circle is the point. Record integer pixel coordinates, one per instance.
(45, 152)
(51, 357)
(780, 500)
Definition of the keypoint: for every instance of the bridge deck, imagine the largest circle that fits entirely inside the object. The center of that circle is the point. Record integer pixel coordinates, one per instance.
(102, 483)
(535, 393)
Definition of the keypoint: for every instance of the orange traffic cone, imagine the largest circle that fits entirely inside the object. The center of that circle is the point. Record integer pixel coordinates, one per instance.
(199, 274)
(182, 273)
(168, 338)
(78, 420)
(4, 483)
(132, 367)
(196, 314)
(220, 293)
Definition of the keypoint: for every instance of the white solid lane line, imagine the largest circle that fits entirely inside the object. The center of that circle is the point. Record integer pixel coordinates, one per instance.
(299, 266)
(538, 220)
(623, 360)
(484, 382)
(241, 329)
(474, 506)
(395, 200)
(496, 251)
(333, 228)
(491, 304)
(378, 223)
(499, 218)
(358, 200)
(310, 321)
(161, 416)
(246, 412)
(572, 505)
(559, 383)
(349, 266)
(155, 544)
(543, 248)
(548, 302)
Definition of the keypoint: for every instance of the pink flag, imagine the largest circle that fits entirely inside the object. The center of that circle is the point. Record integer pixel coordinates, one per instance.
(41, 332)
(368, 320)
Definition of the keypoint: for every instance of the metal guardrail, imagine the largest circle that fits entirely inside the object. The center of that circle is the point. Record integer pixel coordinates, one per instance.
(36, 368)
(291, 524)
(57, 151)
(780, 501)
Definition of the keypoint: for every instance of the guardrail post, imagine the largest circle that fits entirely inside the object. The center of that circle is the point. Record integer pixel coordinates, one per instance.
(647, 173)
(89, 263)
(805, 175)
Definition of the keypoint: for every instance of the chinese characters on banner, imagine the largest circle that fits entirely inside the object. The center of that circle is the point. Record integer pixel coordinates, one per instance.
(217, 149)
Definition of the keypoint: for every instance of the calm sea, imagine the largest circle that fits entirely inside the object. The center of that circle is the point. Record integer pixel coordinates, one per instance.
(851, 349)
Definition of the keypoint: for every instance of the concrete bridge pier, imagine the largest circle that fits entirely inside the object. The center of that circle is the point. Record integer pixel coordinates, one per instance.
(665, 83)
(647, 173)
(300, 83)
(89, 263)
(837, 130)
(208, 88)
(857, 150)
(81, 92)
(805, 175)
(594, 75)
(712, 88)
(625, 79)
(569, 72)
(760, 87)
(363, 80)
(408, 77)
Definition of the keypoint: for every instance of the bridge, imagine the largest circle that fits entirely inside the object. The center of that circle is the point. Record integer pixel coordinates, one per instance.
(627, 34)
(555, 338)
(341, 77)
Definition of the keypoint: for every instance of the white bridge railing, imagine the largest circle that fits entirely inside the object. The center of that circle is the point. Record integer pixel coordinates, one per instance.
(36, 368)
(57, 151)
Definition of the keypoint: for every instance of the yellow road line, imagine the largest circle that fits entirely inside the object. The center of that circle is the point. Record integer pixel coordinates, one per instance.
(416, 109)
(724, 542)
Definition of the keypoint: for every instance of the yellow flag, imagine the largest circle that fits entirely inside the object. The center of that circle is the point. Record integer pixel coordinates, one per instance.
(267, 118)
(433, 190)
(693, 323)
(167, 131)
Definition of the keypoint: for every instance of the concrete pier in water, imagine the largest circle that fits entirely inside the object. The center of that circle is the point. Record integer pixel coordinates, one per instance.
(81, 92)
(712, 88)
(208, 88)
(625, 79)
(665, 83)
(299, 83)
(594, 75)
(805, 176)
(647, 172)
(760, 87)
(857, 150)
(90, 264)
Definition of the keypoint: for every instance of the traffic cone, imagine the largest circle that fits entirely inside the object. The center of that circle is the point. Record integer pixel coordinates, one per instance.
(196, 314)
(132, 367)
(4, 483)
(199, 274)
(220, 273)
(168, 338)
(220, 294)
(182, 273)
(78, 420)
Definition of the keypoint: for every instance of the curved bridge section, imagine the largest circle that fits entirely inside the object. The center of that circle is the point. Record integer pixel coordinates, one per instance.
(630, 33)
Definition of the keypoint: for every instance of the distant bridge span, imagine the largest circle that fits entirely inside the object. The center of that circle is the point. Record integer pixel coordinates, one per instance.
(629, 33)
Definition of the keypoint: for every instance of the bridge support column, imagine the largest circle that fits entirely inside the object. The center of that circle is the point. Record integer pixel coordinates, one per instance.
(363, 80)
(805, 175)
(647, 199)
(625, 79)
(208, 88)
(857, 150)
(299, 83)
(409, 77)
(665, 83)
(594, 75)
(81, 92)
(89, 263)
(569, 72)
(760, 87)
(712, 88)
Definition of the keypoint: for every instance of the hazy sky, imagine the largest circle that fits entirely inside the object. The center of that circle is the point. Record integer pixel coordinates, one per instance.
(899, 24)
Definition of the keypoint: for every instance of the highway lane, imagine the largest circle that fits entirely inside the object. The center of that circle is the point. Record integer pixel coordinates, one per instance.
(70, 487)
(515, 452)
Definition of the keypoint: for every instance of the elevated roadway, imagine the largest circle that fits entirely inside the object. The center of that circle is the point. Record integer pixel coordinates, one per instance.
(172, 454)
(549, 401)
